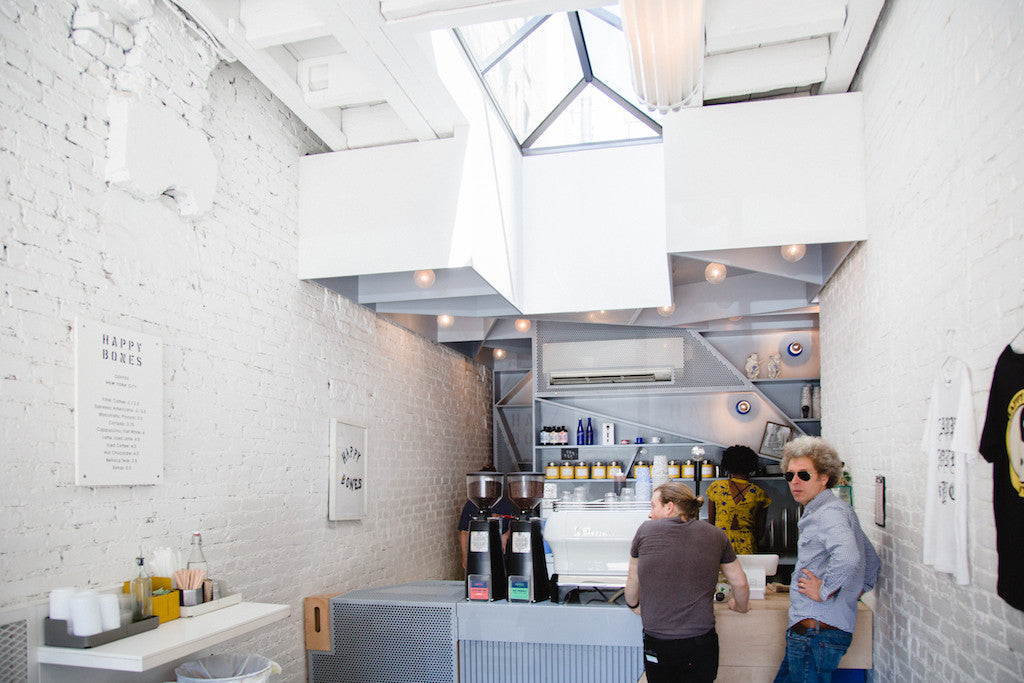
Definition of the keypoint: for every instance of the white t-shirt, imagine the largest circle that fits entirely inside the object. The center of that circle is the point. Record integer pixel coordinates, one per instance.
(949, 443)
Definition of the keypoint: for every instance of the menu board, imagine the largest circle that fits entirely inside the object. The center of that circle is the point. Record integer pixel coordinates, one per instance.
(119, 435)
(346, 497)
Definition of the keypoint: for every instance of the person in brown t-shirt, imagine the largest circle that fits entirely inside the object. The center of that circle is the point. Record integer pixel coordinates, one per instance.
(673, 570)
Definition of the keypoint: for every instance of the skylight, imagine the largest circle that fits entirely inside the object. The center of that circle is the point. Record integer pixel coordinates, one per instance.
(560, 81)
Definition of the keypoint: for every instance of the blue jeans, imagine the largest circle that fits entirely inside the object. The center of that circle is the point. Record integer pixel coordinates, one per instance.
(813, 656)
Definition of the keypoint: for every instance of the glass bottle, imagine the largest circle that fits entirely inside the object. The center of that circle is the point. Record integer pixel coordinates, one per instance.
(580, 434)
(196, 559)
(589, 438)
(142, 592)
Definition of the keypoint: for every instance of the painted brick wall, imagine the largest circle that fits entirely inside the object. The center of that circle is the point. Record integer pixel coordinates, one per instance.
(255, 361)
(941, 274)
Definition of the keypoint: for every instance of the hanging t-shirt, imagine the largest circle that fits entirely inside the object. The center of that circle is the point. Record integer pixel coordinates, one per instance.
(1002, 445)
(949, 444)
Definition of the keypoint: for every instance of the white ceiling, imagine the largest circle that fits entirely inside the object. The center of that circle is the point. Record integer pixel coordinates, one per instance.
(355, 72)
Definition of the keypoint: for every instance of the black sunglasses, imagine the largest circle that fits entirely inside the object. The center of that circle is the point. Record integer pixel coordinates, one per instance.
(803, 474)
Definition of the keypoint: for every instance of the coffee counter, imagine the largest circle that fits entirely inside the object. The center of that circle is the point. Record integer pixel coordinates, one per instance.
(494, 642)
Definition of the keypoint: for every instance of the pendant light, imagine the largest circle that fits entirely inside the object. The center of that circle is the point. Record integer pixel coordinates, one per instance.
(522, 325)
(666, 51)
(666, 311)
(445, 321)
(499, 354)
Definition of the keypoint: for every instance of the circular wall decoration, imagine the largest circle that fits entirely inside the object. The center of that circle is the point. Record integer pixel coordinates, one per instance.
(743, 407)
(795, 349)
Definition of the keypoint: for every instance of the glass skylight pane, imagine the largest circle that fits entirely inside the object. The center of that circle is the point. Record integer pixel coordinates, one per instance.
(484, 40)
(608, 56)
(593, 117)
(534, 77)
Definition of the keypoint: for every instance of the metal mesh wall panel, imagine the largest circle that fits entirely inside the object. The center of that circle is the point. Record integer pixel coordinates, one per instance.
(699, 368)
(367, 637)
(14, 651)
(497, 662)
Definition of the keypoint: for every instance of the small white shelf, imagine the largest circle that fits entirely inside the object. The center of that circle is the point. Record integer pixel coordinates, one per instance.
(170, 641)
(787, 380)
(805, 419)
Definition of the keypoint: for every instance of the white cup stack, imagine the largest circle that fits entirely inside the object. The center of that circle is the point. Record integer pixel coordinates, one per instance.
(60, 604)
(110, 611)
(86, 619)
(659, 471)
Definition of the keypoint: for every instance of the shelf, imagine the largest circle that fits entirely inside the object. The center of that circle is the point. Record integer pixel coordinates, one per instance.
(787, 380)
(623, 445)
(805, 419)
(172, 640)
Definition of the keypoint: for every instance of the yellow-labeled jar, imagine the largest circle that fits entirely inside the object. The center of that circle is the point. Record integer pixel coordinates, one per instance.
(582, 470)
(674, 470)
(551, 471)
(566, 471)
(688, 469)
(614, 469)
(598, 470)
(641, 466)
(707, 470)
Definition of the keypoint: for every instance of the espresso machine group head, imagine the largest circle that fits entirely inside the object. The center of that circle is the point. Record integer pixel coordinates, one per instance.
(527, 565)
(486, 579)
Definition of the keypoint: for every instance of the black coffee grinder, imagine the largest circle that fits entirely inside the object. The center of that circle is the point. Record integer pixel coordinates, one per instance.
(485, 563)
(527, 566)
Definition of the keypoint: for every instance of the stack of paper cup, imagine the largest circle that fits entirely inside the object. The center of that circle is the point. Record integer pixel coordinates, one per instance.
(85, 614)
(659, 471)
(60, 604)
(110, 611)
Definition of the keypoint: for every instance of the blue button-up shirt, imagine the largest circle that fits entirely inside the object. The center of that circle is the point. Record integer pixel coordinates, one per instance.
(833, 547)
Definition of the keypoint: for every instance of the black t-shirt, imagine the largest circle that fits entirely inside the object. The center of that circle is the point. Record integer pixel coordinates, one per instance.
(1002, 445)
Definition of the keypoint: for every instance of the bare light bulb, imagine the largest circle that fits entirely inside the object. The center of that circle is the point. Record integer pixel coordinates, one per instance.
(793, 252)
(424, 278)
(666, 311)
(499, 354)
(522, 325)
(715, 273)
(445, 321)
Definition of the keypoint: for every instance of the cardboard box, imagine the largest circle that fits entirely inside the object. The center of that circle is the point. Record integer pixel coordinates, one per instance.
(164, 606)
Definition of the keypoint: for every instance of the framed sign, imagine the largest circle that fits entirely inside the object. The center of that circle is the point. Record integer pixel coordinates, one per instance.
(119, 397)
(346, 498)
(775, 437)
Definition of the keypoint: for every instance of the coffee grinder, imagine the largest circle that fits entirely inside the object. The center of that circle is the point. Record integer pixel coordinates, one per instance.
(486, 579)
(527, 566)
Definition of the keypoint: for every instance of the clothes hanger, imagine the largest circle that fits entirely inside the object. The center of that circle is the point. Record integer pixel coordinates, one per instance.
(1017, 343)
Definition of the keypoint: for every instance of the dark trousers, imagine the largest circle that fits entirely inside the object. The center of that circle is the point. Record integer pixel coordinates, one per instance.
(693, 660)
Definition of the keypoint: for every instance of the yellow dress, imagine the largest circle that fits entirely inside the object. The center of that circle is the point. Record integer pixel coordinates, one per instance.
(737, 502)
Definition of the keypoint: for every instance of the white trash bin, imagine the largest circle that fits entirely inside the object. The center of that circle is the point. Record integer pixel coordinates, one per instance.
(248, 668)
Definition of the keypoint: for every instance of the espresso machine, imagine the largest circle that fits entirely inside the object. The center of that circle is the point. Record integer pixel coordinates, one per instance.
(527, 566)
(486, 579)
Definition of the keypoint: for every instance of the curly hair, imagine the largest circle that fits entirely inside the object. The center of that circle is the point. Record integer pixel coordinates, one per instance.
(739, 459)
(820, 452)
(679, 493)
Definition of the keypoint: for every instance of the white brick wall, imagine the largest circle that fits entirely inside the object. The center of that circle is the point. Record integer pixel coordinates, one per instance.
(255, 361)
(941, 273)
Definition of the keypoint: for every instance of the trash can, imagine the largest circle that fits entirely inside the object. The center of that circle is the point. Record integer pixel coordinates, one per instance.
(248, 668)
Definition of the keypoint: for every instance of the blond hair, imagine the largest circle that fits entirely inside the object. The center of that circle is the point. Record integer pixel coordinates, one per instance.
(679, 494)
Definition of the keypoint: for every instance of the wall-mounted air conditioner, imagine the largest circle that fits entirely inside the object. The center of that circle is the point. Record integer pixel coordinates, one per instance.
(612, 376)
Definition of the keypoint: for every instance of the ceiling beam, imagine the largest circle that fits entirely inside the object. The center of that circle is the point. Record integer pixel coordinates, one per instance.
(742, 24)
(270, 22)
(764, 69)
(849, 44)
(438, 14)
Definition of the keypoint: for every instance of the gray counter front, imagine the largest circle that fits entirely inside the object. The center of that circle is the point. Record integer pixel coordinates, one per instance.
(426, 632)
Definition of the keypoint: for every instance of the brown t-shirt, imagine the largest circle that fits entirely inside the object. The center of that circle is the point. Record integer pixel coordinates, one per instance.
(678, 568)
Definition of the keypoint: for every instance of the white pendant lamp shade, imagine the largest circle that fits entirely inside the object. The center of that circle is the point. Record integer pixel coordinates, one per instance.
(424, 278)
(666, 51)
(793, 252)
(499, 354)
(715, 273)
(522, 325)
(445, 321)
(666, 311)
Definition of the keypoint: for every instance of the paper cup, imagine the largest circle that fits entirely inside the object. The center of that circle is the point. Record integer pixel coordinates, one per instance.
(110, 611)
(60, 602)
(85, 614)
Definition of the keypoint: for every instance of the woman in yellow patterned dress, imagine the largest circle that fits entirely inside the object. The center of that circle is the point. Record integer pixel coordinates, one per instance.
(736, 505)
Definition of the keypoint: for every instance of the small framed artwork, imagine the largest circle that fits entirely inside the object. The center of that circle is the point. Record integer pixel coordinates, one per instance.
(346, 497)
(775, 437)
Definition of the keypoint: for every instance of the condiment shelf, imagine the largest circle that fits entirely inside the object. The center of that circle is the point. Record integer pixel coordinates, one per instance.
(172, 640)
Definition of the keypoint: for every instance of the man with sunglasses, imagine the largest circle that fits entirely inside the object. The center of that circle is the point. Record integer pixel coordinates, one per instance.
(835, 565)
